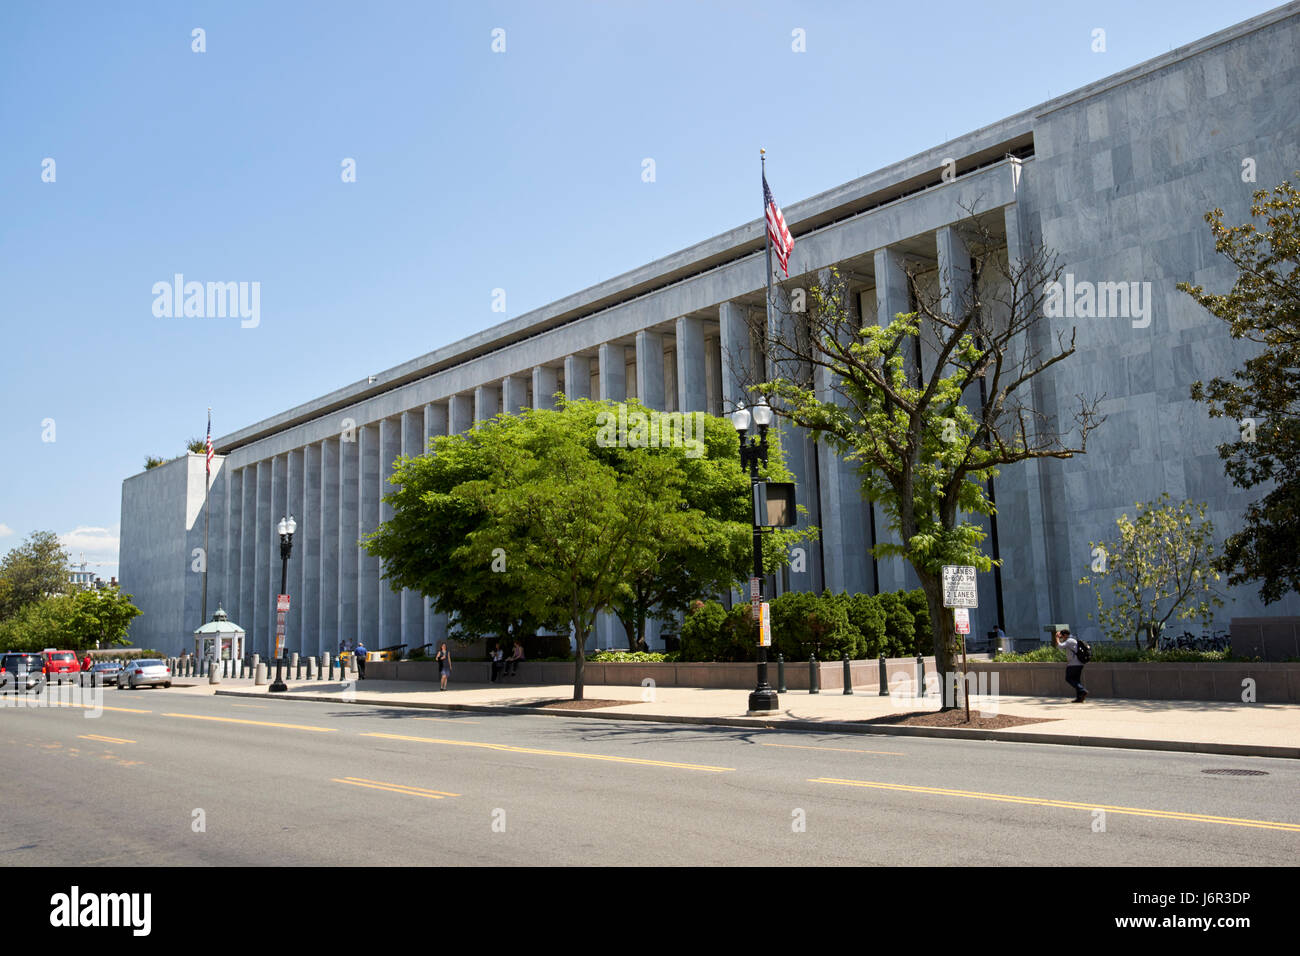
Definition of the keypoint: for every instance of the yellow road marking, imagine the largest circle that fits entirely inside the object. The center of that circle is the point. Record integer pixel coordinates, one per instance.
(395, 787)
(507, 748)
(847, 750)
(1068, 804)
(256, 723)
(120, 710)
(108, 740)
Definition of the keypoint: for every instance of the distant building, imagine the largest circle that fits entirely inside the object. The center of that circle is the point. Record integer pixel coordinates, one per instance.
(1113, 178)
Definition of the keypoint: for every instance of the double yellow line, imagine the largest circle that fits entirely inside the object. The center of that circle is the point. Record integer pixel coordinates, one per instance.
(1065, 804)
(395, 787)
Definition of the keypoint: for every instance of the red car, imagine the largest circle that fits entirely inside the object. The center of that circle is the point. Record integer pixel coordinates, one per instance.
(61, 664)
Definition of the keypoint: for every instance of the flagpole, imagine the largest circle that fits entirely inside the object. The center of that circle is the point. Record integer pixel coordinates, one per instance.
(767, 254)
(207, 485)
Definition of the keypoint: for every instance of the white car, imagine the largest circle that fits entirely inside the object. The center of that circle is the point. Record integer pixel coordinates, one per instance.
(144, 672)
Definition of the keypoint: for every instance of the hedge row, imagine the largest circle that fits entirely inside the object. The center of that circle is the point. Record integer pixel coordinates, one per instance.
(895, 623)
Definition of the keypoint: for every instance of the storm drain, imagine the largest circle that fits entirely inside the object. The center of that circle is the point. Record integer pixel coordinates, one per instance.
(1237, 773)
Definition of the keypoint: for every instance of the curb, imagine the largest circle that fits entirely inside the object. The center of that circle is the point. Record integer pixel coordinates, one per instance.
(892, 730)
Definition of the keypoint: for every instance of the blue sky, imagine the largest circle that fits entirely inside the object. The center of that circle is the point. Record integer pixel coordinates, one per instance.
(475, 171)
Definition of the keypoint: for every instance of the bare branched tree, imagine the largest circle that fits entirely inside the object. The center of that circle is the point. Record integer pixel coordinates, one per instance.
(930, 404)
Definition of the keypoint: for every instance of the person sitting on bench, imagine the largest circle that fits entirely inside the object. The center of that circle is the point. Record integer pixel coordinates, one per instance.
(517, 655)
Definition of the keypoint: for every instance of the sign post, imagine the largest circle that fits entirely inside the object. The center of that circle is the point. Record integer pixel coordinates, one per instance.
(960, 592)
(281, 609)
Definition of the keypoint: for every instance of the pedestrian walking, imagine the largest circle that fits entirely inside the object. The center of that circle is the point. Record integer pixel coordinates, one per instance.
(1076, 655)
(361, 660)
(443, 657)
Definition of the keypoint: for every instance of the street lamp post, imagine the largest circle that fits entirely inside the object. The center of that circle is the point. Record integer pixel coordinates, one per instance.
(764, 698)
(287, 527)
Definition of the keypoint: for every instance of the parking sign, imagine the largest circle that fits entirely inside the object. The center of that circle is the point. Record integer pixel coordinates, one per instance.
(959, 588)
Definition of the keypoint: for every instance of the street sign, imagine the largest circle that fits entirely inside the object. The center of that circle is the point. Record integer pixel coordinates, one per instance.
(961, 620)
(281, 609)
(765, 626)
(282, 603)
(755, 595)
(959, 588)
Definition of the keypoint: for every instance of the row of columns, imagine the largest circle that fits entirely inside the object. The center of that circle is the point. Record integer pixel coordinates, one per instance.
(335, 487)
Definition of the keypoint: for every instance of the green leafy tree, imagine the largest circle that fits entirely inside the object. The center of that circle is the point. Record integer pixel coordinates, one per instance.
(712, 553)
(100, 617)
(927, 437)
(30, 572)
(39, 624)
(1159, 567)
(1263, 396)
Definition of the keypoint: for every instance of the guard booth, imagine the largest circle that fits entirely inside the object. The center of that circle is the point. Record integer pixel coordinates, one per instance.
(220, 639)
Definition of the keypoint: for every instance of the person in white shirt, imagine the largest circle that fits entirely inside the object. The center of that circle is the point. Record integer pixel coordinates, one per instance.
(1073, 666)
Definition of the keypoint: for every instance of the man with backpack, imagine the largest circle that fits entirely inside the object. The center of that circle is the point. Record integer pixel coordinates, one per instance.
(1077, 653)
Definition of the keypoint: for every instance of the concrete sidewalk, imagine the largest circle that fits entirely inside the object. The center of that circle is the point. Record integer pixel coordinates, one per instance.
(1265, 730)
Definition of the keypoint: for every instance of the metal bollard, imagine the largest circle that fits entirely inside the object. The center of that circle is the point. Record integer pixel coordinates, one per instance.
(814, 675)
(884, 678)
(920, 676)
(297, 668)
(311, 667)
(848, 674)
(780, 673)
(241, 668)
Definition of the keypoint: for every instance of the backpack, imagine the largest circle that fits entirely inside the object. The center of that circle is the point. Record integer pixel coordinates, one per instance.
(1082, 651)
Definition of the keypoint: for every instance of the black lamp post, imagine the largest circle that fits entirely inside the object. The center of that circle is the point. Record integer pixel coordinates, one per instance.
(752, 451)
(287, 527)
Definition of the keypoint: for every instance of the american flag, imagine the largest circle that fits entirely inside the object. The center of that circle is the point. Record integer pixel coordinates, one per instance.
(782, 241)
(207, 465)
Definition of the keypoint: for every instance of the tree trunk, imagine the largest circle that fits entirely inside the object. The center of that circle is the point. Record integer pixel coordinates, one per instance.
(579, 661)
(629, 630)
(944, 662)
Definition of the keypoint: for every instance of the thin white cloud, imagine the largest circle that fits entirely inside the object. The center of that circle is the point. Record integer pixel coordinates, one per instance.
(97, 544)
(5, 530)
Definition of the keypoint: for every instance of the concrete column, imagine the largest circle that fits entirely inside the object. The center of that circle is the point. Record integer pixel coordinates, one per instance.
(613, 366)
(892, 297)
(460, 412)
(330, 596)
(311, 578)
(670, 378)
(487, 402)
(577, 377)
(369, 479)
(248, 551)
(738, 359)
(263, 528)
(692, 366)
(412, 601)
(390, 601)
(650, 369)
(298, 558)
(271, 537)
(436, 420)
(546, 382)
(234, 545)
(349, 526)
(514, 394)
(846, 525)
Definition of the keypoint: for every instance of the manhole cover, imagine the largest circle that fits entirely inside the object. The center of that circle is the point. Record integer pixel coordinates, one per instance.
(1238, 773)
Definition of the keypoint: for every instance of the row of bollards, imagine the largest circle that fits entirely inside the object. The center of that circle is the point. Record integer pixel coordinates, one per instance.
(814, 674)
(253, 666)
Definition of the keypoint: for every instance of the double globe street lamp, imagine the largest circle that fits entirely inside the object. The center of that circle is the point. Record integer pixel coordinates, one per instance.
(286, 528)
(753, 451)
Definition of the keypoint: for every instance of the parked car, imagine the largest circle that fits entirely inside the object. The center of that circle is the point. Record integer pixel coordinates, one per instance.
(61, 665)
(144, 672)
(23, 672)
(102, 672)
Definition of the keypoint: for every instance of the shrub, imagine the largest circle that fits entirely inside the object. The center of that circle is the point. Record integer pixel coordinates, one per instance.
(914, 601)
(900, 625)
(701, 630)
(632, 657)
(805, 623)
(868, 618)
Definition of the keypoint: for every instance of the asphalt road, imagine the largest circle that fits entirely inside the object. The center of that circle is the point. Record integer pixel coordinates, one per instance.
(174, 779)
